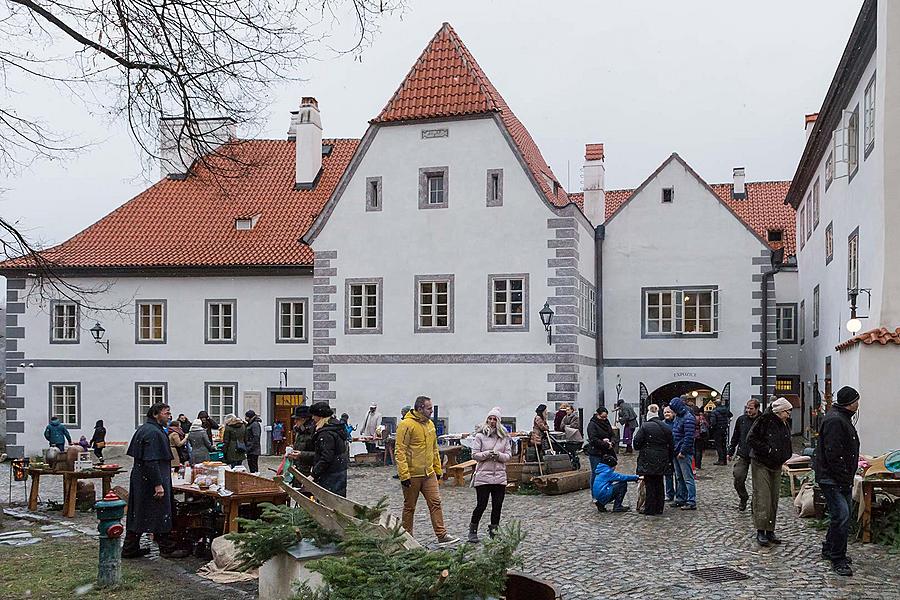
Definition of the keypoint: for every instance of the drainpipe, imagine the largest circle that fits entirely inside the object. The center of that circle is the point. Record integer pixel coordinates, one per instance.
(599, 233)
(764, 321)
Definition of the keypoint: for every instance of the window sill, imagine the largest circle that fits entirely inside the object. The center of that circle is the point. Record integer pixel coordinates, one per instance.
(669, 336)
(65, 342)
(292, 341)
(150, 342)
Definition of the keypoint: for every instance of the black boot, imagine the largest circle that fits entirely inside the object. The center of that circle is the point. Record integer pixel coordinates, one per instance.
(132, 546)
(770, 535)
(492, 530)
(743, 505)
(473, 533)
(761, 538)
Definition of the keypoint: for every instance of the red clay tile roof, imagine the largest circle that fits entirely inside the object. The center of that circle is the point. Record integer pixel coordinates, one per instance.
(882, 335)
(593, 152)
(763, 208)
(446, 82)
(190, 223)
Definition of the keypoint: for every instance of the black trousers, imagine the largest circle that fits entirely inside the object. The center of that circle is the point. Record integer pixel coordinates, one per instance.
(655, 495)
(699, 445)
(253, 463)
(496, 492)
(720, 437)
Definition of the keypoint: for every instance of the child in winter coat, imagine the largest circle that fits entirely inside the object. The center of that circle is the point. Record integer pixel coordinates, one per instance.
(609, 485)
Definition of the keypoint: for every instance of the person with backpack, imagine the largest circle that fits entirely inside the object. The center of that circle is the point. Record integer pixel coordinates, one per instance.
(719, 424)
(701, 437)
(683, 438)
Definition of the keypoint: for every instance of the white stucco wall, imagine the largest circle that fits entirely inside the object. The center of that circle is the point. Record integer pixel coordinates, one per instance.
(108, 381)
(787, 291)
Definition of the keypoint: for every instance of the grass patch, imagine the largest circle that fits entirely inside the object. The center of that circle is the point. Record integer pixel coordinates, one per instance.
(55, 568)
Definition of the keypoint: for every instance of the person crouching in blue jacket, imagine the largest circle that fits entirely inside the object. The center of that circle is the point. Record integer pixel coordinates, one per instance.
(609, 485)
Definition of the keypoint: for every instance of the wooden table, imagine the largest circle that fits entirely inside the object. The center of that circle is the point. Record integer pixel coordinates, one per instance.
(868, 494)
(792, 473)
(70, 485)
(449, 457)
(231, 504)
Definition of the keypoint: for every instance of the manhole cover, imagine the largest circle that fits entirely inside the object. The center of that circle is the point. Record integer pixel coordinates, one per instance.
(719, 574)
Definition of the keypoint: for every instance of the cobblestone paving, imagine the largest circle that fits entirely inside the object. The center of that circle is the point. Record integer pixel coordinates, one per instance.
(588, 555)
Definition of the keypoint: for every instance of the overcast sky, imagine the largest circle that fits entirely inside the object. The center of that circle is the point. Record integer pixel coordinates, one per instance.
(722, 83)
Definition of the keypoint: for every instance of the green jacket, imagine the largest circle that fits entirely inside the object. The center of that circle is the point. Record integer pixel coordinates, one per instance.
(234, 442)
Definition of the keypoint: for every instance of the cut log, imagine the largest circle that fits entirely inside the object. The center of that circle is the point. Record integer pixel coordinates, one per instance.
(563, 483)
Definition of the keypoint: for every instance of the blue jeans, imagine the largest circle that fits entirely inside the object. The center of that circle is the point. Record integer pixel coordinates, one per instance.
(619, 488)
(685, 487)
(670, 486)
(838, 499)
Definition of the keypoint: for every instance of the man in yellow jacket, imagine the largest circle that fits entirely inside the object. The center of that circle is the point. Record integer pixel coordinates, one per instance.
(419, 467)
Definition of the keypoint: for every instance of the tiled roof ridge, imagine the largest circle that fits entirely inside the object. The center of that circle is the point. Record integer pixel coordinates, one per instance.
(881, 335)
(486, 87)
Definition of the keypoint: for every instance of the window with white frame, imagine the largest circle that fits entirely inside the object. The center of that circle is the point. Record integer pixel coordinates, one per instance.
(291, 320)
(220, 316)
(869, 117)
(586, 307)
(786, 323)
(802, 321)
(829, 169)
(509, 297)
(65, 404)
(809, 215)
(815, 204)
(151, 321)
(801, 226)
(829, 243)
(816, 311)
(363, 306)
(148, 394)
(433, 187)
(436, 188)
(220, 400)
(64, 326)
(853, 260)
(434, 303)
(853, 141)
(687, 311)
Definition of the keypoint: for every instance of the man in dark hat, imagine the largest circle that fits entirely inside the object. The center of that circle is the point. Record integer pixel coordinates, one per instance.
(150, 487)
(253, 440)
(332, 455)
(303, 431)
(837, 458)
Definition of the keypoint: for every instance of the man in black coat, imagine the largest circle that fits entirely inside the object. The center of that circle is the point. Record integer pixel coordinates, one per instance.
(738, 448)
(600, 440)
(332, 456)
(253, 440)
(150, 487)
(769, 440)
(837, 458)
(719, 423)
(656, 449)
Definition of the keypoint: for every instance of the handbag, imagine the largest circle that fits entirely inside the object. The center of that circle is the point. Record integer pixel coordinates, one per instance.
(100, 445)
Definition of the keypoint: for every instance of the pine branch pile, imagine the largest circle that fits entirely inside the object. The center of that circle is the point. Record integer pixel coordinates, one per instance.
(374, 568)
(279, 528)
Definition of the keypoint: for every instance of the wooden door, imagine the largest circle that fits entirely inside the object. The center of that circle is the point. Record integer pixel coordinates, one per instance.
(283, 404)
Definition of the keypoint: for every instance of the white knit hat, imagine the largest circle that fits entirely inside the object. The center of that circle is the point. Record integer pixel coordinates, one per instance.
(495, 412)
(780, 405)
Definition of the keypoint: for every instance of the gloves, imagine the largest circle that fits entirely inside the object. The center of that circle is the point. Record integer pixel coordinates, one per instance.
(405, 483)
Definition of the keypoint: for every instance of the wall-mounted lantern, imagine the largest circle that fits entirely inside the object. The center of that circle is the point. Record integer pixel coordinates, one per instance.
(97, 332)
(547, 319)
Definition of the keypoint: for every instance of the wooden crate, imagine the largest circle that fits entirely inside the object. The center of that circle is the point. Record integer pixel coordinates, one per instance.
(241, 483)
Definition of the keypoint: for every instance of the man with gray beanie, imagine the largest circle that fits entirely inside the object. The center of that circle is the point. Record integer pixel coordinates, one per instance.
(769, 441)
(837, 458)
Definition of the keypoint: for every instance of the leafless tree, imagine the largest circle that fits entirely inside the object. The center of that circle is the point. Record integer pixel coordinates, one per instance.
(149, 61)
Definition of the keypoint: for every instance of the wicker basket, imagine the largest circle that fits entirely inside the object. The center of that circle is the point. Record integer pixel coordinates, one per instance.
(242, 483)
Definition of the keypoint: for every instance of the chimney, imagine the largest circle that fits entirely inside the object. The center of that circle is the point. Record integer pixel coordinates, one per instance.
(181, 142)
(739, 191)
(308, 141)
(810, 122)
(594, 175)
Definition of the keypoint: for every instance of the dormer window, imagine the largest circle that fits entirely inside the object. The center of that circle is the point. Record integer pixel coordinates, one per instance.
(775, 235)
(668, 195)
(245, 223)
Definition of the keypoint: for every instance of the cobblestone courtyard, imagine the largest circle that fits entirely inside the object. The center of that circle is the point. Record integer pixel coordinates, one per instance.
(590, 555)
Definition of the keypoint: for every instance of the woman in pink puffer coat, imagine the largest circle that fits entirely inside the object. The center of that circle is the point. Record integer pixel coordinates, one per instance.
(491, 449)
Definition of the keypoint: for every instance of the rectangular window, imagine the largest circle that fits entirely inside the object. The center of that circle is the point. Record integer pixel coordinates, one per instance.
(220, 400)
(373, 194)
(829, 169)
(363, 306)
(494, 187)
(829, 243)
(668, 195)
(816, 311)
(853, 260)
(660, 312)
(802, 321)
(586, 307)
(65, 403)
(809, 215)
(786, 323)
(434, 303)
(677, 312)
(291, 320)
(151, 322)
(853, 141)
(775, 235)
(146, 395)
(869, 117)
(508, 302)
(433, 187)
(698, 312)
(801, 226)
(64, 322)
(815, 196)
(220, 321)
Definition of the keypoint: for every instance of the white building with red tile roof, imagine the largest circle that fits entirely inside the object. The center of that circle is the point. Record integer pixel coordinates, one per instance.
(415, 261)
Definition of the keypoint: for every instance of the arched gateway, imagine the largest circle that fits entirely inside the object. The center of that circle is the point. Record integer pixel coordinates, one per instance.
(702, 392)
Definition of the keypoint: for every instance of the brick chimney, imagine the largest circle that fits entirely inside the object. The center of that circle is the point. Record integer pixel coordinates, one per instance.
(307, 128)
(594, 192)
(810, 121)
(739, 190)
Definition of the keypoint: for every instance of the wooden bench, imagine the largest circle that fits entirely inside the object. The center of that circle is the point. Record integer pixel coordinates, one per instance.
(459, 471)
